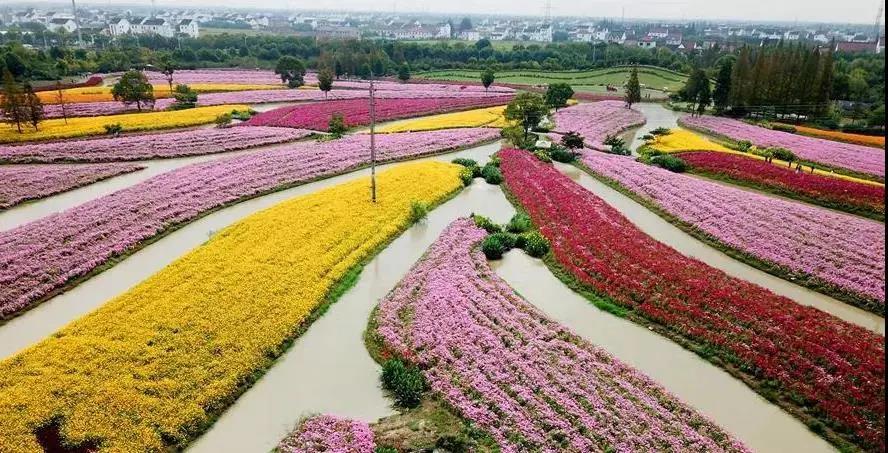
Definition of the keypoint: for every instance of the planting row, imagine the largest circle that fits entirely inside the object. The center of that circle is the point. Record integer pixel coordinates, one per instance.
(151, 146)
(153, 367)
(46, 255)
(30, 182)
(847, 137)
(103, 93)
(596, 121)
(326, 433)
(837, 253)
(196, 76)
(55, 129)
(828, 372)
(864, 199)
(858, 158)
(317, 116)
(529, 382)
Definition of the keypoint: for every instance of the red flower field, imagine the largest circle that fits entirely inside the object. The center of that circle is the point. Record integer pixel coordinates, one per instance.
(810, 362)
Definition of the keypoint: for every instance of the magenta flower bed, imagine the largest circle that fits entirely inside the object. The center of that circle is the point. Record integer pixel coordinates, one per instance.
(529, 382)
(45, 255)
(861, 159)
(841, 249)
(243, 76)
(327, 433)
(30, 182)
(151, 146)
(357, 112)
(596, 121)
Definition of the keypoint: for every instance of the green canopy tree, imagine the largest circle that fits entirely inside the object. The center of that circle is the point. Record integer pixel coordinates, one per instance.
(167, 68)
(325, 80)
(721, 97)
(528, 110)
(633, 88)
(291, 70)
(33, 106)
(487, 78)
(13, 105)
(404, 72)
(133, 88)
(558, 94)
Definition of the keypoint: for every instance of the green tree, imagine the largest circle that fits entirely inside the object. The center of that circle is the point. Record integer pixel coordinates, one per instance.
(133, 88)
(487, 78)
(722, 95)
(291, 70)
(186, 98)
(558, 94)
(167, 68)
(528, 110)
(633, 88)
(13, 105)
(336, 127)
(825, 84)
(325, 81)
(740, 80)
(404, 72)
(61, 101)
(33, 106)
(704, 96)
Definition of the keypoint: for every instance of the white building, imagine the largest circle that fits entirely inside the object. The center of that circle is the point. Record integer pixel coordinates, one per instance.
(119, 27)
(68, 25)
(189, 27)
(470, 35)
(157, 26)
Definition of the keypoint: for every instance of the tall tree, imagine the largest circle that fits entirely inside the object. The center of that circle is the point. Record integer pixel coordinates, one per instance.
(61, 101)
(487, 78)
(722, 95)
(633, 88)
(291, 70)
(558, 94)
(133, 88)
(704, 95)
(325, 80)
(740, 80)
(33, 106)
(404, 72)
(825, 85)
(13, 105)
(167, 67)
(528, 110)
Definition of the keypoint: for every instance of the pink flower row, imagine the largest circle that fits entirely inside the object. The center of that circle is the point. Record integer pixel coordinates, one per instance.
(595, 121)
(842, 249)
(151, 146)
(30, 182)
(529, 382)
(356, 112)
(327, 433)
(859, 158)
(45, 255)
(191, 76)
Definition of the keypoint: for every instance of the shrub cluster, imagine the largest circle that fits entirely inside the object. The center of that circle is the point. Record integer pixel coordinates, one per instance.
(405, 382)
(670, 162)
(518, 233)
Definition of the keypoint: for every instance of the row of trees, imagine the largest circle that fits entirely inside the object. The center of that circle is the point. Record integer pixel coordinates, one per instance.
(19, 103)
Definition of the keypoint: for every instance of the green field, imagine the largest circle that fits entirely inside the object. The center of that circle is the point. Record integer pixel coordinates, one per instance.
(654, 79)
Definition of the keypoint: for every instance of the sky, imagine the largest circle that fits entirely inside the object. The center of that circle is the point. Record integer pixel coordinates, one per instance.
(832, 11)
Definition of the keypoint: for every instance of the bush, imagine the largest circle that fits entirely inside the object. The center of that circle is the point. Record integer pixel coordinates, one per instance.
(405, 382)
(617, 145)
(535, 244)
(336, 127)
(670, 162)
(783, 128)
(466, 175)
(242, 115)
(468, 163)
(486, 224)
(573, 140)
(492, 174)
(542, 156)
(562, 155)
(113, 129)
(744, 146)
(519, 223)
(418, 211)
(223, 120)
(783, 154)
(515, 135)
(452, 444)
(493, 246)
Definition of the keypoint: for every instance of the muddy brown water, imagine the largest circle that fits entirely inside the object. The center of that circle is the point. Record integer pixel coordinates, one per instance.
(725, 400)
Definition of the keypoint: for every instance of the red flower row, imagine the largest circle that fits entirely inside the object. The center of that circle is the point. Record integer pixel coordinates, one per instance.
(826, 191)
(356, 112)
(827, 367)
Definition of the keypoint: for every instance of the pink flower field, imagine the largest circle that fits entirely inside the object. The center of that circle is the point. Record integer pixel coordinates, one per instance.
(317, 116)
(45, 255)
(840, 249)
(327, 433)
(596, 121)
(859, 158)
(242, 76)
(30, 182)
(529, 382)
(150, 146)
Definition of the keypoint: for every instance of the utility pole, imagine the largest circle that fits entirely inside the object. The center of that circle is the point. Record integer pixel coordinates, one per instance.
(372, 140)
(77, 24)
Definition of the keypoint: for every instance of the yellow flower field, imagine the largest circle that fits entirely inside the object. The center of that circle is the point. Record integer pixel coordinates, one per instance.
(86, 126)
(488, 117)
(683, 140)
(161, 359)
(103, 93)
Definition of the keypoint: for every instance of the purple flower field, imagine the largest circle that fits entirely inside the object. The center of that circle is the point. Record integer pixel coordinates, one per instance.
(529, 382)
(859, 158)
(151, 146)
(327, 433)
(43, 256)
(844, 250)
(595, 121)
(30, 182)
(190, 76)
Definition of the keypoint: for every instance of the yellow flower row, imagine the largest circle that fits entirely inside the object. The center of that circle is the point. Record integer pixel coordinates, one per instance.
(489, 117)
(86, 126)
(682, 140)
(103, 93)
(158, 361)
